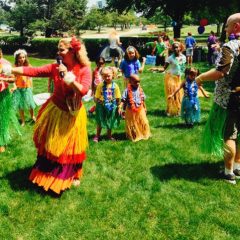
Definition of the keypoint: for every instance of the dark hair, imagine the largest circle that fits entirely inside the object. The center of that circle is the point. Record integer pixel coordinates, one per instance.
(26, 63)
(100, 58)
(191, 70)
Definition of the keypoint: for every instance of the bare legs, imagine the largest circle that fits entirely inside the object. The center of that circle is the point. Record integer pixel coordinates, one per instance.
(22, 117)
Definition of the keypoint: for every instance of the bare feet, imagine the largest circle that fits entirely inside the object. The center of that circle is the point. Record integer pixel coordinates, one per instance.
(23, 124)
(34, 119)
(2, 149)
(76, 182)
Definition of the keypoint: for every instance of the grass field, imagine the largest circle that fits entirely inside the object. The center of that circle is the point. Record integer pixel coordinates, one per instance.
(163, 188)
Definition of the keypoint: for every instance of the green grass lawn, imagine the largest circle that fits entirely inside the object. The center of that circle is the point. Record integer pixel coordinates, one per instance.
(163, 188)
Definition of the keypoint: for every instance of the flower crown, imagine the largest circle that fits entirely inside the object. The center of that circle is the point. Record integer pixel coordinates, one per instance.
(75, 44)
(20, 51)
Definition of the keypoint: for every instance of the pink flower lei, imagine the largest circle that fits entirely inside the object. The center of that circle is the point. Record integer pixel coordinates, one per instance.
(75, 44)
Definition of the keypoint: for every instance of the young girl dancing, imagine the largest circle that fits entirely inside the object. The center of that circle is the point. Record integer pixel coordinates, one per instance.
(7, 113)
(137, 126)
(131, 64)
(23, 96)
(172, 79)
(97, 78)
(107, 97)
(190, 109)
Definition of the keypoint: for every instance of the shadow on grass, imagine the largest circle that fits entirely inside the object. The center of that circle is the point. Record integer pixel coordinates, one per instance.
(19, 181)
(157, 112)
(191, 172)
(118, 136)
(180, 125)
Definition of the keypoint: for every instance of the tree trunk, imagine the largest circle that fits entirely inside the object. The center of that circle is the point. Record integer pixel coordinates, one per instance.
(48, 32)
(177, 31)
(21, 28)
(223, 34)
(218, 29)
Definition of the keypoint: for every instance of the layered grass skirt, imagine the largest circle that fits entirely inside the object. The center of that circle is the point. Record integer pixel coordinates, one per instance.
(107, 119)
(23, 99)
(7, 117)
(172, 82)
(213, 134)
(189, 113)
(61, 141)
(136, 125)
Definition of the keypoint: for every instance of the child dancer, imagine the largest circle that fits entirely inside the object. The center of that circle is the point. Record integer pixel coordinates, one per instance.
(137, 126)
(7, 113)
(97, 78)
(23, 97)
(131, 64)
(107, 97)
(172, 80)
(190, 109)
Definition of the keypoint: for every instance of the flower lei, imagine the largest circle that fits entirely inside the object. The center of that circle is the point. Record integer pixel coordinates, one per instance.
(233, 36)
(75, 44)
(192, 89)
(131, 100)
(108, 104)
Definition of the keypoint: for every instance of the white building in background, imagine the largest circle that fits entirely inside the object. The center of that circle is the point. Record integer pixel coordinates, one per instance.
(97, 3)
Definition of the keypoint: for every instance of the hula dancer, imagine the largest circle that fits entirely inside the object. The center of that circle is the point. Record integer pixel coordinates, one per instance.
(108, 98)
(172, 79)
(60, 132)
(222, 131)
(22, 95)
(7, 112)
(190, 109)
(133, 100)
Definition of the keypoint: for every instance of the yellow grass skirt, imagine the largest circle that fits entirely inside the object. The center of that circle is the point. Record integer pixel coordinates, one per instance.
(172, 82)
(136, 125)
(61, 141)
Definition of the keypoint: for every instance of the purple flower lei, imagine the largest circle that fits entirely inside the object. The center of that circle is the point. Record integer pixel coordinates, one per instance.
(108, 104)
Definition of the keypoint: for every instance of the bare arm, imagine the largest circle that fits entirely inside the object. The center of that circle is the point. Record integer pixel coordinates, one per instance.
(177, 90)
(211, 75)
(143, 65)
(203, 92)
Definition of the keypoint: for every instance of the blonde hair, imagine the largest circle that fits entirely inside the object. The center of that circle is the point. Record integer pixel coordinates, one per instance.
(113, 33)
(81, 55)
(112, 69)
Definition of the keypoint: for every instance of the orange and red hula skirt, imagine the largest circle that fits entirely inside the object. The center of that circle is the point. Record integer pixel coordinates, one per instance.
(61, 141)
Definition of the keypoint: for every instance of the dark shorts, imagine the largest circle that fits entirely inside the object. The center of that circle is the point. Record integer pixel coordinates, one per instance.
(232, 128)
(114, 52)
(160, 60)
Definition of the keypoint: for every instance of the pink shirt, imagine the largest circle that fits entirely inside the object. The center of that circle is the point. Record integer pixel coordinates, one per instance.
(61, 90)
(3, 85)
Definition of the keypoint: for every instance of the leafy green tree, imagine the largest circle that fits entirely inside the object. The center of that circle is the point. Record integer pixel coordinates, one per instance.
(97, 18)
(68, 15)
(22, 14)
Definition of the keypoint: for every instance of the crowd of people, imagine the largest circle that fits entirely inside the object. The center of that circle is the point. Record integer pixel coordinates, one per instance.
(60, 133)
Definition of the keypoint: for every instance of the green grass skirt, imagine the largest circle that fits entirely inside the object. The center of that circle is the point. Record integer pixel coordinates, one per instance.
(23, 99)
(213, 135)
(7, 117)
(107, 119)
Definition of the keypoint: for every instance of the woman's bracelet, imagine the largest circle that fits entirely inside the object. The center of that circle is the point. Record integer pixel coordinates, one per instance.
(69, 78)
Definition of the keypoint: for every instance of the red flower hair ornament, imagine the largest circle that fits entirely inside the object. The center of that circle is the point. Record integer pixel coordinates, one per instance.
(75, 44)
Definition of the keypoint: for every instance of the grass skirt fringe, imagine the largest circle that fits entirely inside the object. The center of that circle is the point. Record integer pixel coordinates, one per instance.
(7, 117)
(172, 82)
(189, 113)
(137, 126)
(213, 135)
(107, 119)
(61, 140)
(23, 99)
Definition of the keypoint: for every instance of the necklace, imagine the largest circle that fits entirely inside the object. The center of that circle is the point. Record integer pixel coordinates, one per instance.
(131, 100)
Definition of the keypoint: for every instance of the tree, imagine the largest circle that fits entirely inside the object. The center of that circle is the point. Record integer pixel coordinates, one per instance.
(68, 15)
(97, 18)
(22, 14)
(172, 8)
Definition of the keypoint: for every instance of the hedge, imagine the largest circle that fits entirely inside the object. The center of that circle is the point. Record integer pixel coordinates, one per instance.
(47, 47)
